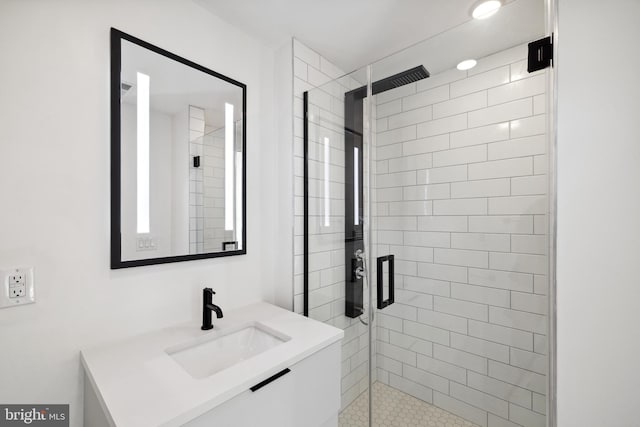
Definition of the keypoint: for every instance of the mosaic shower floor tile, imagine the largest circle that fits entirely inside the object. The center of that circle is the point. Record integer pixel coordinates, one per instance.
(393, 408)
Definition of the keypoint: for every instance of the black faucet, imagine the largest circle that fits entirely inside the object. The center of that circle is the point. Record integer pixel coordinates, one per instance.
(207, 307)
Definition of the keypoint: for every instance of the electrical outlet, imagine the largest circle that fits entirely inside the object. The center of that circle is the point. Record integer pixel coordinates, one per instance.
(17, 287)
(17, 291)
(17, 278)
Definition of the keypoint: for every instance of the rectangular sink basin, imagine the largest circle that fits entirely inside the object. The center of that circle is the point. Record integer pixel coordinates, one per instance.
(205, 358)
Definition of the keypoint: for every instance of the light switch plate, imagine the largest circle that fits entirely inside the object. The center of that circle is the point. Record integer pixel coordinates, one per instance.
(17, 287)
(146, 242)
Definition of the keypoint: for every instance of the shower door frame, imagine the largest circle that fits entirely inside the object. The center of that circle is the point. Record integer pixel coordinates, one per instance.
(552, 144)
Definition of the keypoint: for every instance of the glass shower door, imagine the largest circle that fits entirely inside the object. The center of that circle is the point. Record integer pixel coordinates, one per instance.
(335, 221)
(461, 200)
(426, 216)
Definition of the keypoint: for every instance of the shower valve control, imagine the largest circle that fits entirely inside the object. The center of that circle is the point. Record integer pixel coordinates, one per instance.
(357, 266)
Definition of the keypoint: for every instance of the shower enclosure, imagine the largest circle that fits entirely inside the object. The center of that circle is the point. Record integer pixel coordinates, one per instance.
(425, 217)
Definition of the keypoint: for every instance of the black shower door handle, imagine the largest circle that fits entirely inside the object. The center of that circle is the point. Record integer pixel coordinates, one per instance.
(380, 281)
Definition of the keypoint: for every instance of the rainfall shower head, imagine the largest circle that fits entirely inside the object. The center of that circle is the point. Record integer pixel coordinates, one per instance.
(392, 82)
(400, 79)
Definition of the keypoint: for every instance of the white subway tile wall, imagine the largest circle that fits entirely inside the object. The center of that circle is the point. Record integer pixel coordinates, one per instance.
(461, 200)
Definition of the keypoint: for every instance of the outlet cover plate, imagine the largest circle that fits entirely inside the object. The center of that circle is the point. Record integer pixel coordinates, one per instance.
(7, 283)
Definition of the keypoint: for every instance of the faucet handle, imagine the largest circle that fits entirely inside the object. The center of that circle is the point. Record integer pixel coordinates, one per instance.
(209, 291)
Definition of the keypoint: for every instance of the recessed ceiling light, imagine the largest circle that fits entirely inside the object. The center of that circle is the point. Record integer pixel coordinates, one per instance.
(486, 9)
(467, 64)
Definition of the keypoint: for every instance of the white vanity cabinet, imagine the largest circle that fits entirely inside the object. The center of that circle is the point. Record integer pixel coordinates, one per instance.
(308, 395)
(164, 378)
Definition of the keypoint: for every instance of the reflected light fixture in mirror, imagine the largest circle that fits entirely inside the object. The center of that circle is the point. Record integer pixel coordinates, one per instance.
(229, 130)
(142, 124)
(485, 9)
(240, 208)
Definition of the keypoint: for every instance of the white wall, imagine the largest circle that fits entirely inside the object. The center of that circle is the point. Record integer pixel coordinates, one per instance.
(54, 184)
(598, 213)
(283, 94)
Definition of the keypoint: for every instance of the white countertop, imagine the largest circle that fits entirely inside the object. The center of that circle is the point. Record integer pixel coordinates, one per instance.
(139, 384)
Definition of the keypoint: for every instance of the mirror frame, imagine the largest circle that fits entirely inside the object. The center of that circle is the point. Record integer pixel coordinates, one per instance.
(116, 203)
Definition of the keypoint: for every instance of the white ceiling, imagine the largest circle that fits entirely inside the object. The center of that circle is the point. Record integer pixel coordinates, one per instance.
(517, 23)
(351, 33)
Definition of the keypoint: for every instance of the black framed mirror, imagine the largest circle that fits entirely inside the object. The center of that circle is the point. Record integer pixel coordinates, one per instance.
(178, 158)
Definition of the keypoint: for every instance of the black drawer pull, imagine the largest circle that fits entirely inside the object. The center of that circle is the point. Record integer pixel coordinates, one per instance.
(270, 379)
(385, 303)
